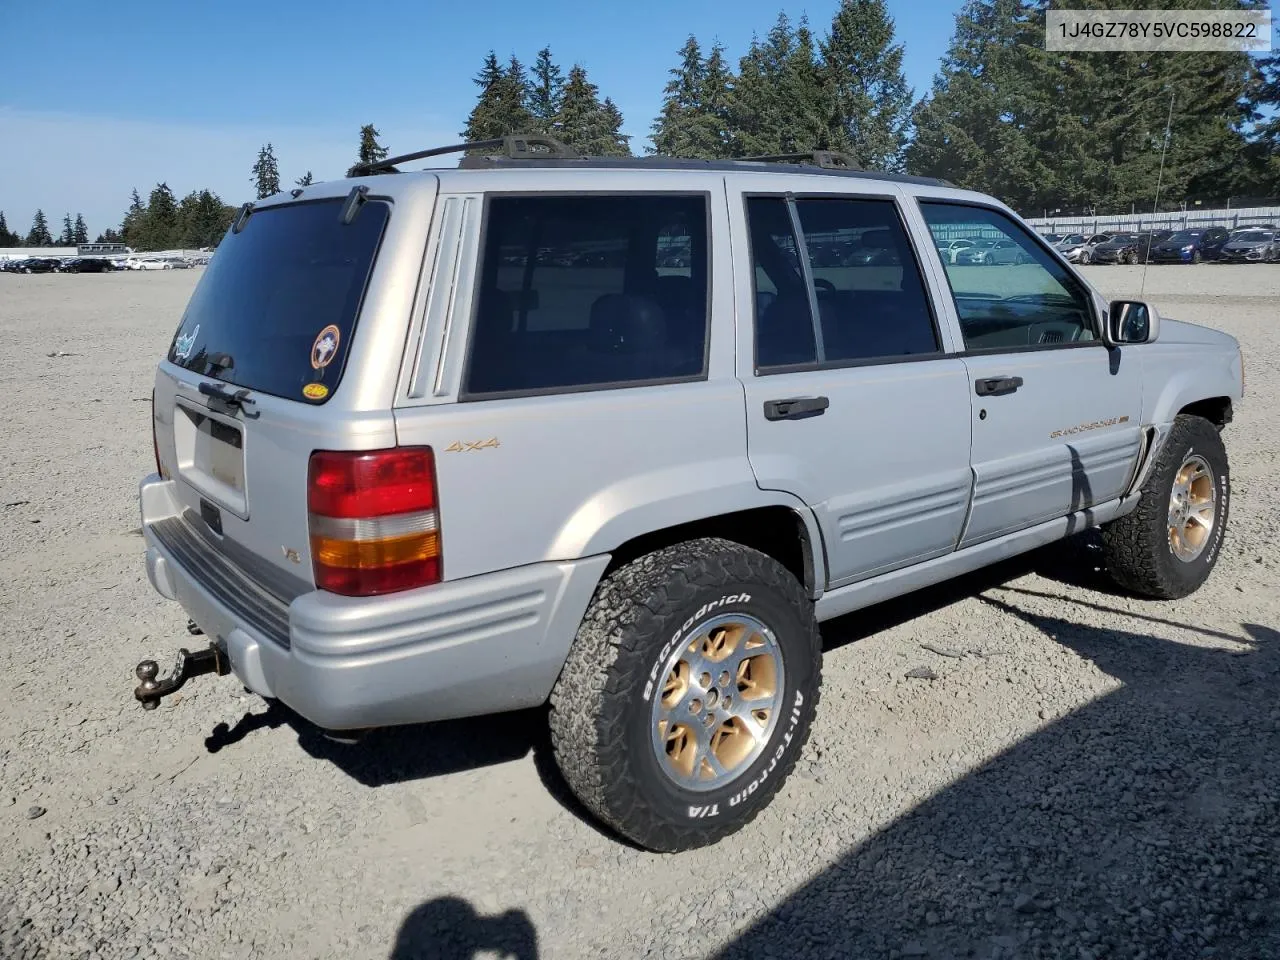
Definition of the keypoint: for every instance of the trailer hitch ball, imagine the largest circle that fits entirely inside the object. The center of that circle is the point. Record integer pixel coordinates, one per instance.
(152, 688)
(147, 672)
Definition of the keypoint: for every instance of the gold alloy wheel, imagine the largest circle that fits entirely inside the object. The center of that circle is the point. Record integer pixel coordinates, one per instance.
(1193, 509)
(718, 703)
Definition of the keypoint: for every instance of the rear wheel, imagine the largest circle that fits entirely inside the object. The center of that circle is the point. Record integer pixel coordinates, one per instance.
(688, 693)
(1167, 547)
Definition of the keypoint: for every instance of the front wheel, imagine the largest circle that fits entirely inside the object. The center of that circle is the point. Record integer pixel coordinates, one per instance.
(688, 693)
(1196, 256)
(1167, 547)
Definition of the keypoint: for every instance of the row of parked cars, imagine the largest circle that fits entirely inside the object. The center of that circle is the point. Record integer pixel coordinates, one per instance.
(1255, 244)
(98, 264)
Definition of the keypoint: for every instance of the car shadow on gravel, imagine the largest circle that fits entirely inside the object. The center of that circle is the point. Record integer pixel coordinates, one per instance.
(419, 752)
(1143, 824)
(1075, 563)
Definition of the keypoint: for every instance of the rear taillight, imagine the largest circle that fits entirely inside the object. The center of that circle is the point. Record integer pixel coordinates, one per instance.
(374, 521)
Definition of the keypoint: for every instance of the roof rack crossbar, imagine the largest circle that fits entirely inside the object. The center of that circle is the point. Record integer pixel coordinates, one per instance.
(513, 147)
(828, 159)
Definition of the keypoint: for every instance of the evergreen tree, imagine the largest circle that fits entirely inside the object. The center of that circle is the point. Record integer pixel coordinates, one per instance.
(68, 236)
(305, 180)
(159, 229)
(202, 219)
(500, 109)
(975, 127)
(132, 225)
(777, 105)
(695, 106)
(266, 173)
(545, 90)
(592, 128)
(1042, 130)
(864, 87)
(620, 143)
(371, 151)
(7, 237)
(1264, 147)
(80, 233)
(717, 97)
(109, 236)
(39, 235)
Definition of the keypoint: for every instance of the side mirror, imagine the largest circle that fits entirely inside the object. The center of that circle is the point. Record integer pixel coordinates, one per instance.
(1131, 321)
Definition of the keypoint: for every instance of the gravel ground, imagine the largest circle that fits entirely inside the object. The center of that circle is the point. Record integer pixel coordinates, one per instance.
(1088, 775)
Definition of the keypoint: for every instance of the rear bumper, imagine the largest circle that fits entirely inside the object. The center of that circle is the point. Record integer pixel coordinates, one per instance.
(461, 648)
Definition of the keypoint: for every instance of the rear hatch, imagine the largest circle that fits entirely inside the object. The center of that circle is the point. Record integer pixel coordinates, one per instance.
(260, 351)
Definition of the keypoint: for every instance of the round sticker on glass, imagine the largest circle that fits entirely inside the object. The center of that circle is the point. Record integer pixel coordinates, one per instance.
(326, 347)
(315, 391)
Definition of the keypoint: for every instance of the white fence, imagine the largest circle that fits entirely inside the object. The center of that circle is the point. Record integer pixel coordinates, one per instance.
(1176, 220)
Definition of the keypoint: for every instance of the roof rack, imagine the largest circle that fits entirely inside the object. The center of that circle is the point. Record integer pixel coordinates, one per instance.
(827, 159)
(513, 147)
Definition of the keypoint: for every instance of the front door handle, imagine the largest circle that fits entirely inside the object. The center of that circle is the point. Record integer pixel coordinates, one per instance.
(997, 386)
(795, 408)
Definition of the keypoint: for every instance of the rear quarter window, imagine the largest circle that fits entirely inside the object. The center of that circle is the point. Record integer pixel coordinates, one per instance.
(589, 291)
(276, 309)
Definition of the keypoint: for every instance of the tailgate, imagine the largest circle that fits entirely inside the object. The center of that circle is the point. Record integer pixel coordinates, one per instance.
(247, 390)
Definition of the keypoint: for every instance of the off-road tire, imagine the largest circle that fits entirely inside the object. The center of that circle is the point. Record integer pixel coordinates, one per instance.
(1136, 547)
(601, 710)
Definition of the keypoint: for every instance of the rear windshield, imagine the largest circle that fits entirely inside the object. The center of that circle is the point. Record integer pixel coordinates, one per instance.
(276, 308)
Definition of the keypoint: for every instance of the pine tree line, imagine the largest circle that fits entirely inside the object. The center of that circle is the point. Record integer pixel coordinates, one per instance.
(1085, 131)
(793, 92)
(545, 100)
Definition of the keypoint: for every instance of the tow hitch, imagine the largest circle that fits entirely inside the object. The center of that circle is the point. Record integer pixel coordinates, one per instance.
(151, 690)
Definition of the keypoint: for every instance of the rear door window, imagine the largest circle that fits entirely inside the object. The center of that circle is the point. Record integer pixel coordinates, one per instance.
(585, 292)
(869, 296)
(277, 306)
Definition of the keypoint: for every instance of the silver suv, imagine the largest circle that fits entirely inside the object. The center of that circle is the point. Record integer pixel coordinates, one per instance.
(616, 435)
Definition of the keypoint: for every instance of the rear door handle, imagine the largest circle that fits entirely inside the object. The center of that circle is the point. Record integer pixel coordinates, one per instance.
(795, 408)
(997, 386)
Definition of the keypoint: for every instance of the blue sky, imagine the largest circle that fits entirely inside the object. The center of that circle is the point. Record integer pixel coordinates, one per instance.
(122, 94)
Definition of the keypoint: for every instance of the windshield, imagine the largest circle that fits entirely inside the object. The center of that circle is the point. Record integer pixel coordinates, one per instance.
(276, 308)
(1124, 238)
(1184, 236)
(1073, 238)
(1253, 236)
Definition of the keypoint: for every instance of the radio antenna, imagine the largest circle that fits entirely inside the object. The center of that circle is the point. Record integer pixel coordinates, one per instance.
(1155, 207)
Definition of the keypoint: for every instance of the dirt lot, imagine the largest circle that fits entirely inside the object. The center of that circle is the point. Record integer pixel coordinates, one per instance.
(1089, 776)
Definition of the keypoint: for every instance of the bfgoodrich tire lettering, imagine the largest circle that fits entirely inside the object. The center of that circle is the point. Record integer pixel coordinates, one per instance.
(602, 705)
(1139, 553)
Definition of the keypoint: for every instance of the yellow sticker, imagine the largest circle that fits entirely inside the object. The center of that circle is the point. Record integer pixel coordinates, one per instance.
(315, 391)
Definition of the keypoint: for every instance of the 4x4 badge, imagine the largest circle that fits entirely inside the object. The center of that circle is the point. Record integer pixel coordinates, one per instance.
(326, 347)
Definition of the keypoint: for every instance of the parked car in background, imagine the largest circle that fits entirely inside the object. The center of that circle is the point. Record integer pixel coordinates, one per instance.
(1185, 246)
(949, 249)
(151, 263)
(1052, 238)
(1121, 248)
(1251, 246)
(38, 265)
(1078, 248)
(87, 265)
(1127, 247)
(990, 252)
(1215, 238)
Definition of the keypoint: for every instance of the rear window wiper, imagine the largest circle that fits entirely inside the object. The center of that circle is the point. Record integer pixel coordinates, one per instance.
(232, 400)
